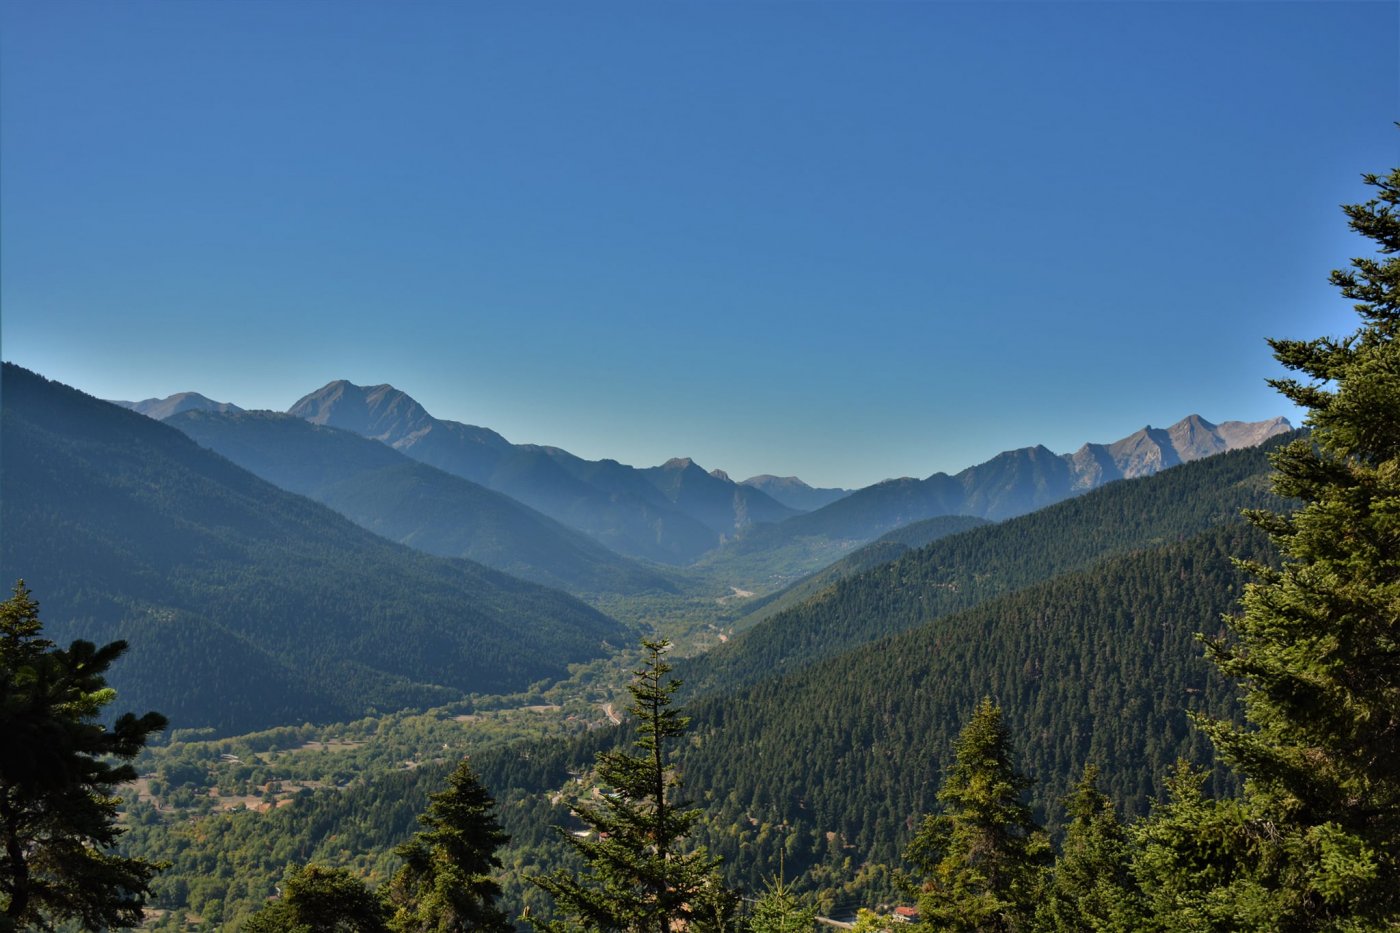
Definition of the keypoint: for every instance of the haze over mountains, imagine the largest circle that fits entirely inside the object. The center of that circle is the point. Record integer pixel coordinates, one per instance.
(678, 513)
(792, 492)
(416, 504)
(245, 605)
(672, 513)
(162, 408)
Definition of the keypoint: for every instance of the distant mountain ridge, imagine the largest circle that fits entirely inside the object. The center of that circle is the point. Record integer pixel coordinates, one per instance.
(1019, 481)
(1010, 484)
(678, 512)
(672, 513)
(162, 408)
(413, 503)
(1151, 449)
(793, 493)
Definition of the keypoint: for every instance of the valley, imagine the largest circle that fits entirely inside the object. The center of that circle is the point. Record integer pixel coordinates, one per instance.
(876, 615)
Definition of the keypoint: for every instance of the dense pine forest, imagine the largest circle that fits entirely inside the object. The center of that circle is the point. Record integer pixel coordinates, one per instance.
(1170, 704)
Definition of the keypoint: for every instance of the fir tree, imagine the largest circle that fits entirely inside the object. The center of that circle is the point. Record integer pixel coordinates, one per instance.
(315, 899)
(1198, 867)
(445, 884)
(1091, 887)
(778, 909)
(58, 815)
(1314, 843)
(1317, 647)
(639, 876)
(982, 854)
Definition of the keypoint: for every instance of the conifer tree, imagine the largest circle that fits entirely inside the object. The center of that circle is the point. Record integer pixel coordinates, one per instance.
(316, 899)
(1317, 647)
(982, 854)
(58, 815)
(1091, 887)
(639, 876)
(1314, 842)
(445, 884)
(1196, 866)
(778, 909)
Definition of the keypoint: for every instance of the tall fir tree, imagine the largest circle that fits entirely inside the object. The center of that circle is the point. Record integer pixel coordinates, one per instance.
(1314, 842)
(59, 768)
(639, 875)
(446, 883)
(1091, 887)
(982, 854)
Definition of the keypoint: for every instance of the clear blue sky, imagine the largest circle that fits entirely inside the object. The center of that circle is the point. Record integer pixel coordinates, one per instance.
(845, 240)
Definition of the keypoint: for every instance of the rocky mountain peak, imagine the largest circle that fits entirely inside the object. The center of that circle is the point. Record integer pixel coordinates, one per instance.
(381, 412)
(678, 463)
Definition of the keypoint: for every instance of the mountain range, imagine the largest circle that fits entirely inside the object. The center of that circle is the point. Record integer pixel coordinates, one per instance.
(413, 503)
(1019, 481)
(821, 733)
(792, 492)
(245, 605)
(672, 513)
(678, 513)
(819, 725)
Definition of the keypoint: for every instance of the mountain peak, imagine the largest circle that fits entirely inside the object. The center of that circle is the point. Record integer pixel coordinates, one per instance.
(793, 492)
(768, 479)
(720, 474)
(171, 405)
(381, 412)
(678, 463)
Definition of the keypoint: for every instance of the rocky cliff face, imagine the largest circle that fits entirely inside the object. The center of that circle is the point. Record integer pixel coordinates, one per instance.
(1149, 450)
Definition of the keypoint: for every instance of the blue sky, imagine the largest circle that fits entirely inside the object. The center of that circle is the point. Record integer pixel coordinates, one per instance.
(845, 240)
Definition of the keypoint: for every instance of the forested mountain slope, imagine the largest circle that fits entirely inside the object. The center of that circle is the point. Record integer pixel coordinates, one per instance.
(966, 569)
(1099, 665)
(886, 548)
(834, 763)
(247, 606)
(395, 496)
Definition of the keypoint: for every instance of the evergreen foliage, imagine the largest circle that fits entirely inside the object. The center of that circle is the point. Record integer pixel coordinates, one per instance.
(639, 875)
(982, 853)
(58, 815)
(316, 899)
(1195, 867)
(445, 884)
(780, 910)
(1091, 888)
(1315, 842)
